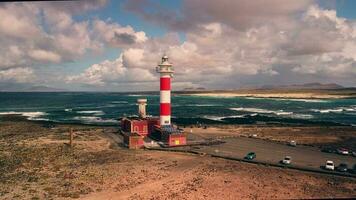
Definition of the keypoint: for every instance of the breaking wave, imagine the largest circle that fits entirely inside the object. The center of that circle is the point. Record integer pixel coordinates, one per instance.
(95, 112)
(119, 102)
(253, 110)
(336, 110)
(28, 115)
(91, 119)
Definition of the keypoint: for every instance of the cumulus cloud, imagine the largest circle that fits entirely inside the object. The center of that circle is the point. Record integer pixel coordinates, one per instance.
(112, 72)
(19, 75)
(227, 44)
(240, 14)
(229, 41)
(117, 36)
(40, 34)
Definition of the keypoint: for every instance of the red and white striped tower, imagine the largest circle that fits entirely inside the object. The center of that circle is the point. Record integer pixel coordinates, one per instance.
(166, 70)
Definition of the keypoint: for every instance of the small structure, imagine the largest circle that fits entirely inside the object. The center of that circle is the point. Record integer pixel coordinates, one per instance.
(133, 140)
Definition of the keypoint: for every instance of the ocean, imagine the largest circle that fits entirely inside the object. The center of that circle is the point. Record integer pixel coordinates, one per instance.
(108, 108)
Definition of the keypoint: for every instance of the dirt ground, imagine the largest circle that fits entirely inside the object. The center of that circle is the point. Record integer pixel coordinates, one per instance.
(36, 163)
(334, 136)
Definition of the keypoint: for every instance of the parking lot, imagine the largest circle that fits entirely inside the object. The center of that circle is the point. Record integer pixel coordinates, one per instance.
(271, 152)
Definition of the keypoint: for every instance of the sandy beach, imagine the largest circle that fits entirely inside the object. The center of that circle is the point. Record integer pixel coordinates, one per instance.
(37, 163)
(277, 93)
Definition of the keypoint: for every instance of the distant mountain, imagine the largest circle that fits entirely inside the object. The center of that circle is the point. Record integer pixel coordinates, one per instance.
(19, 87)
(304, 86)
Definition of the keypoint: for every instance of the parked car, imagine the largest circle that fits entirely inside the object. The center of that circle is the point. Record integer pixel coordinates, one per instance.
(250, 156)
(343, 151)
(287, 160)
(292, 143)
(354, 153)
(353, 169)
(328, 150)
(329, 165)
(342, 167)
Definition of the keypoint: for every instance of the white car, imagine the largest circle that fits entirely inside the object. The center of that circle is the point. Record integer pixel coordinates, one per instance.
(343, 151)
(329, 165)
(292, 143)
(287, 160)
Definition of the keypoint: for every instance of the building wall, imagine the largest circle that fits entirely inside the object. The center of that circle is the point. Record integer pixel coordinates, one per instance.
(177, 139)
(133, 141)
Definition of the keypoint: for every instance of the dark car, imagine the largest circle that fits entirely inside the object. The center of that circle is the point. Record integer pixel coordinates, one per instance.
(250, 156)
(328, 150)
(353, 169)
(342, 167)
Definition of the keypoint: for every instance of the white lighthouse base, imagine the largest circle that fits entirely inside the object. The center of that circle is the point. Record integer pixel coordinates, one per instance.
(165, 120)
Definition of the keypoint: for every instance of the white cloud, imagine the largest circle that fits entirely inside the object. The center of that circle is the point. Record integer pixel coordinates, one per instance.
(45, 56)
(20, 75)
(111, 72)
(229, 41)
(117, 36)
(41, 34)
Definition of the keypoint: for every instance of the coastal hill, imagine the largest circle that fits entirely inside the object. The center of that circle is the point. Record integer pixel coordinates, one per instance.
(305, 86)
(18, 87)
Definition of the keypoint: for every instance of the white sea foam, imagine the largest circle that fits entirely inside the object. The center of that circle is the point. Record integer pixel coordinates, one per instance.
(253, 110)
(217, 118)
(95, 112)
(134, 95)
(40, 119)
(287, 99)
(256, 111)
(281, 112)
(119, 102)
(199, 105)
(29, 115)
(335, 110)
(302, 116)
(68, 110)
(91, 119)
(304, 100)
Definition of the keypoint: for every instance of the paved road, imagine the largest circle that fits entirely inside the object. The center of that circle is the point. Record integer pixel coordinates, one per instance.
(271, 152)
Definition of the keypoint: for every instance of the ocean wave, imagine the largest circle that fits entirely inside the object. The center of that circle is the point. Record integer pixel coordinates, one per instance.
(281, 112)
(334, 110)
(95, 112)
(119, 102)
(302, 116)
(135, 95)
(304, 100)
(287, 99)
(195, 105)
(28, 115)
(91, 119)
(217, 118)
(68, 110)
(253, 110)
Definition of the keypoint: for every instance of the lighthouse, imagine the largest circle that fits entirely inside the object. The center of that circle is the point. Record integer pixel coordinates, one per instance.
(135, 129)
(166, 73)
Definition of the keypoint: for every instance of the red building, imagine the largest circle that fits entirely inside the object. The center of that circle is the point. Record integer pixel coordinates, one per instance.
(142, 127)
(133, 140)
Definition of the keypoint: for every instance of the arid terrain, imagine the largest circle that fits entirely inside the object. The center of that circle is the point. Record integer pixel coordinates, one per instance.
(37, 163)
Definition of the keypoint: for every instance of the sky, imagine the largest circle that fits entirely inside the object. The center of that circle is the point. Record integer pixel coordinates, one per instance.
(103, 45)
